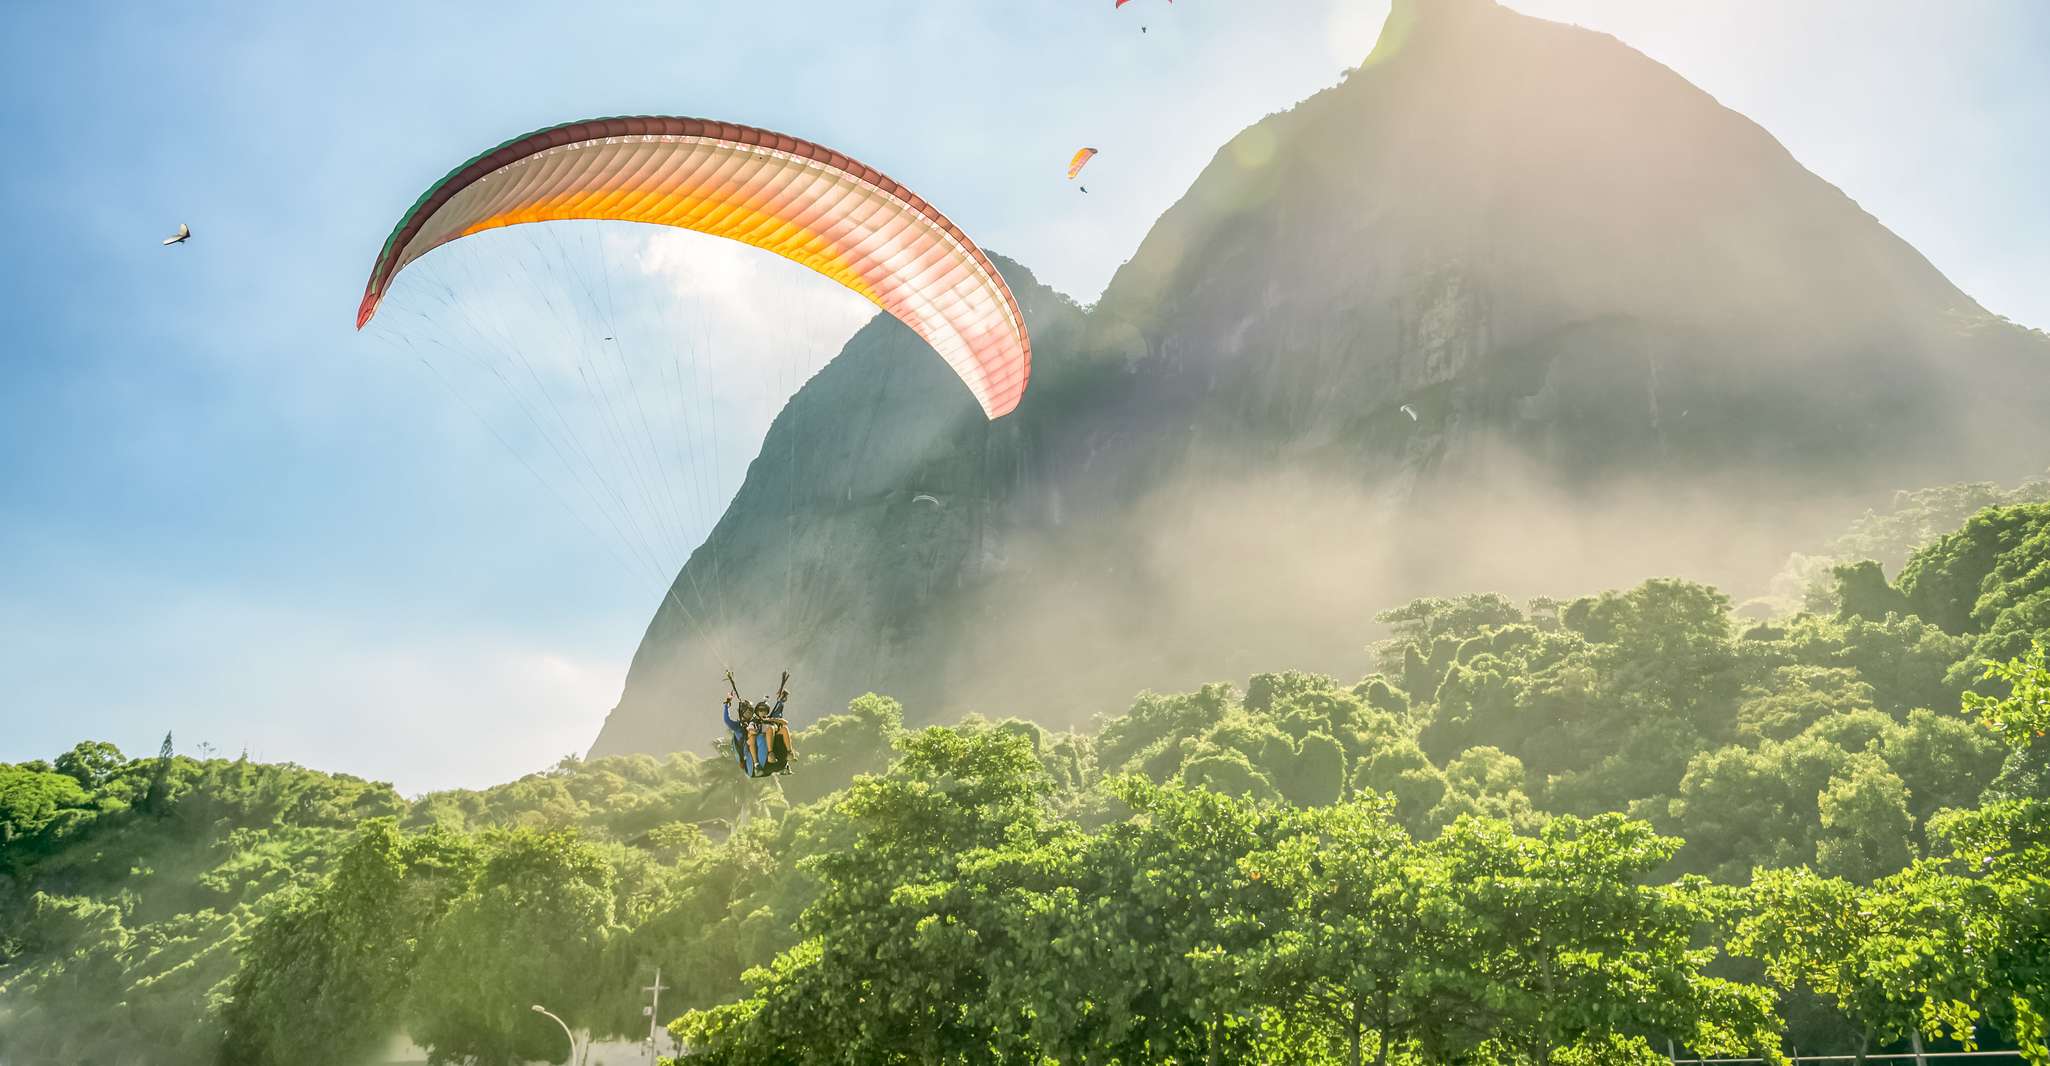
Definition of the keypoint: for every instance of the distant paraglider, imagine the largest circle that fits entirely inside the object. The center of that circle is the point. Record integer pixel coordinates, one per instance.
(184, 234)
(1410, 411)
(934, 500)
(1081, 159)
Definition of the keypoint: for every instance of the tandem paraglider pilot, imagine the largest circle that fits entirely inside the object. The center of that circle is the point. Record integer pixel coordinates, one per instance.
(761, 737)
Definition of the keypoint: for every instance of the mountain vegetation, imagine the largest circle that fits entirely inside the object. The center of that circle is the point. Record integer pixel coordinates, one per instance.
(1554, 831)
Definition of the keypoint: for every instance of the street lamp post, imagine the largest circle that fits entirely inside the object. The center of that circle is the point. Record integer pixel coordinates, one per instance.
(574, 1060)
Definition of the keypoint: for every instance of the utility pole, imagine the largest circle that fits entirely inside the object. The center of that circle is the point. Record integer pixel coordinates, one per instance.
(654, 1013)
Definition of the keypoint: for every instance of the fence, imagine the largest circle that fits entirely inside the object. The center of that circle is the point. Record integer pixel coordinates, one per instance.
(1999, 1057)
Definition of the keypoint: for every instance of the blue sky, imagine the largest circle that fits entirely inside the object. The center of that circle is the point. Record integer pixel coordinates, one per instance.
(225, 513)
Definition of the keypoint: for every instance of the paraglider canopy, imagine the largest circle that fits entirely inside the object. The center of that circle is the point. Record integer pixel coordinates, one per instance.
(1081, 160)
(800, 200)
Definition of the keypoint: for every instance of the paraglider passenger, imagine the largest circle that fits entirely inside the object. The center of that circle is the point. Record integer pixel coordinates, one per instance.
(740, 729)
(779, 735)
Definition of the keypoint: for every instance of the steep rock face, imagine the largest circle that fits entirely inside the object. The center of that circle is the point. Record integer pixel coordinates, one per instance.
(1544, 241)
(1630, 325)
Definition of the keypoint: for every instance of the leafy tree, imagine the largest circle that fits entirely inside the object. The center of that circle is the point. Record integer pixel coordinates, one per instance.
(326, 974)
(1402, 772)
(1945, 582)
(91, 763)
(1863, 592)
(2001, 866)
(1799, 697)
(1229, 773)
(1157, 723)
(1479, 698)
(1358, 947)
(889, 968)
(159, 794)
(1739, 808)
(1426, 620)
(1943, 759)
(1886, 955)
(29, 801)
(1920, 516)
(1316, 776)
(532, 929)
(1866, 826)
(1264, 692)
(1384, 697)
(1485, 782)
(1168, 916)
(1570, 944)
(1667, 644)
(2022, 716)
(839, 747)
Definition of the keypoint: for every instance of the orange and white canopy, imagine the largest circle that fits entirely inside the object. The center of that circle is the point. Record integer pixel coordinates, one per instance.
(789, 196)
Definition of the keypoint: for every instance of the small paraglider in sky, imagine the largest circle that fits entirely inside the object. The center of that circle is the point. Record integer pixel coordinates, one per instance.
(934, 500)
(1410, 411)
(184, 234)
(1084, 188)
(1082, 158)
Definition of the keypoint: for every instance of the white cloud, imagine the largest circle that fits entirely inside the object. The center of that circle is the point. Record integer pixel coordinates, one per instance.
(373, 696)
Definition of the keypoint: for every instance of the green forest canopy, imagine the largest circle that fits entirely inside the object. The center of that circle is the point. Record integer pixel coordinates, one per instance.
(1563, 831)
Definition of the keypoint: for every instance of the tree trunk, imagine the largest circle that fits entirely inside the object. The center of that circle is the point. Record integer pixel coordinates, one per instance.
(1864, 1045)
(1915, 1042)
(1381, 1034)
